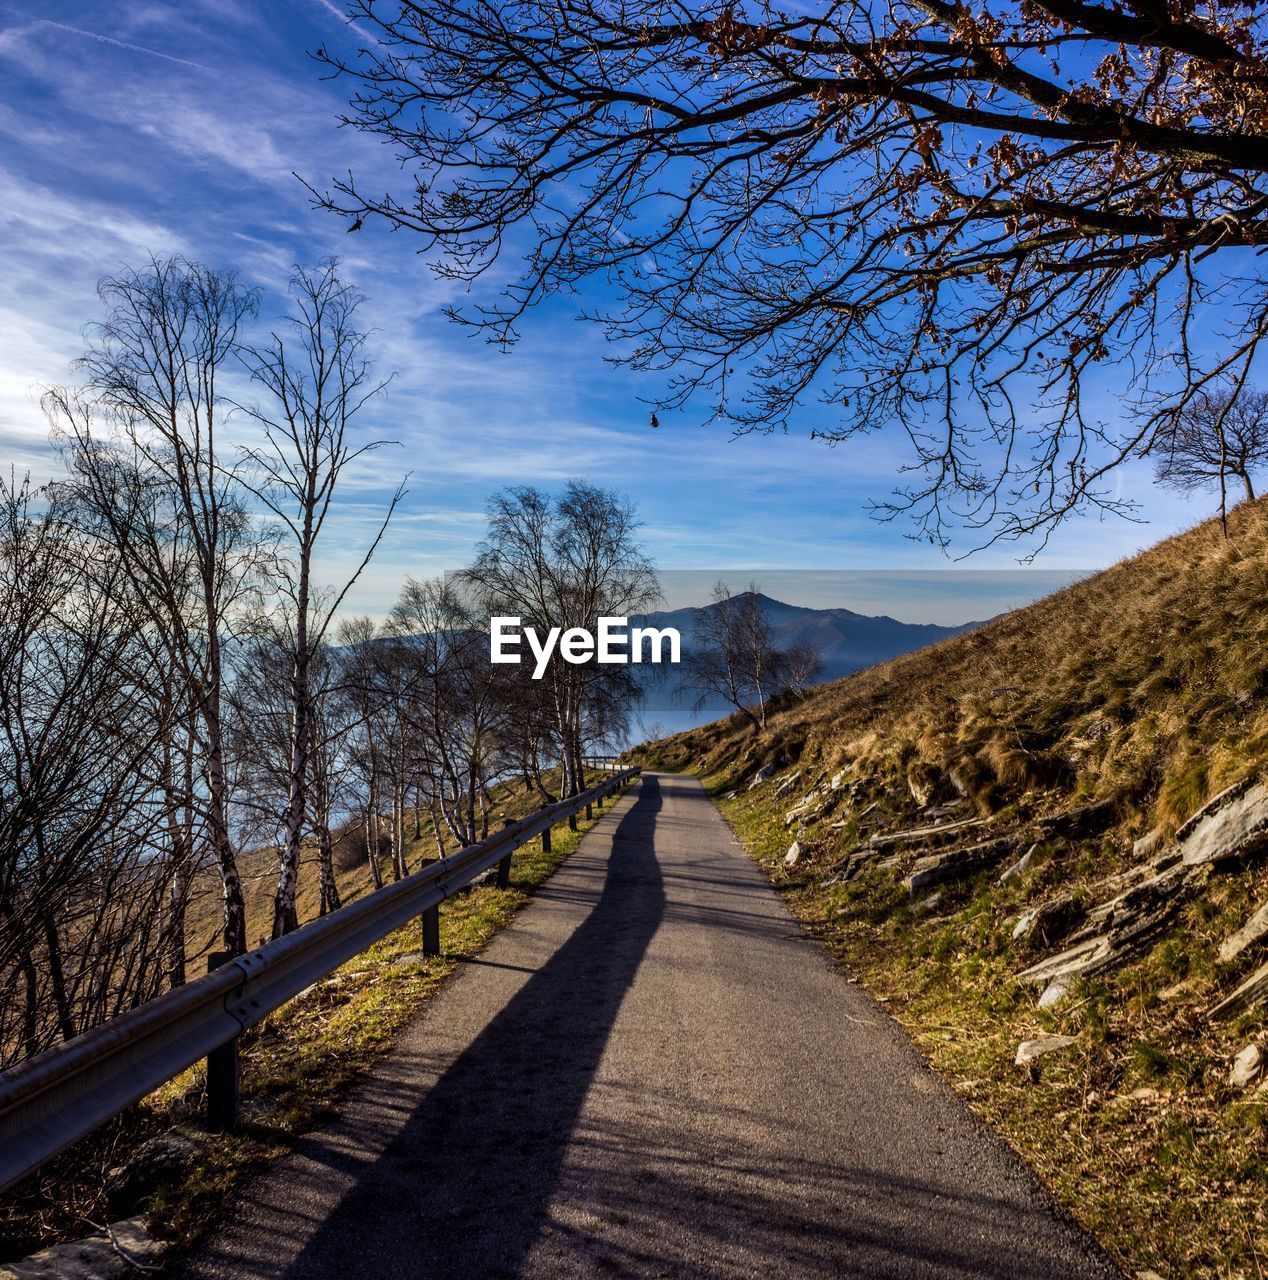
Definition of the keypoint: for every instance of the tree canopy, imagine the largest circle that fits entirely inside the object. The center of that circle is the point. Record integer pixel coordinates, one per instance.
(982, 226)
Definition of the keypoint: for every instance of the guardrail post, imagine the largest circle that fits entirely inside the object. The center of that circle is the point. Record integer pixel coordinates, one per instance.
(504, 867)
(546, 840)
(222, 1071)
(572, 822)
(431, 930)
(589, 812)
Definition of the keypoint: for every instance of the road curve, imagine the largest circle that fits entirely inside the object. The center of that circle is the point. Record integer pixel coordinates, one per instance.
(652, 1072)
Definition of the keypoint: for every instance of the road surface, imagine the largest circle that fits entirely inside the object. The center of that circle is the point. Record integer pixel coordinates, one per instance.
(652, 1072)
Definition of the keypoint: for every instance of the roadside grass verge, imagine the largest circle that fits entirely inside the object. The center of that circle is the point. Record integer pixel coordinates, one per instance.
(297, 1068)
(1135, 1129)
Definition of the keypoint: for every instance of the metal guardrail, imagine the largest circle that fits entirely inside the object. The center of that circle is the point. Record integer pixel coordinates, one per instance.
(59, 1096)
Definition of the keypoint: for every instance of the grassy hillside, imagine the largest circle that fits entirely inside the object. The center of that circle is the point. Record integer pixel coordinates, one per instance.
(1058, 752)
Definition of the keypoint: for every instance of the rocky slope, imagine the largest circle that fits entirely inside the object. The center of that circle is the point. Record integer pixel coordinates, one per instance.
(1045, 844)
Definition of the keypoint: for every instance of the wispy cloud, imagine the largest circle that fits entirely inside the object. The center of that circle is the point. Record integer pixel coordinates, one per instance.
(107, 40)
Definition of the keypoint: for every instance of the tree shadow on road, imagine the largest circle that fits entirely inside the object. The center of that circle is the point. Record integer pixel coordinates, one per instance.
(462, 1190)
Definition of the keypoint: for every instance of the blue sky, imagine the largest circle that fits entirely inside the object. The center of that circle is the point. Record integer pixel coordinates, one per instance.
(130, 128)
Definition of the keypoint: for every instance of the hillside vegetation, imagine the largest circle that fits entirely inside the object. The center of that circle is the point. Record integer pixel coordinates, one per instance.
(1042, 844)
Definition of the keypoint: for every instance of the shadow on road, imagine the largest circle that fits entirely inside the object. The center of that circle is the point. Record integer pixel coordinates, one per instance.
(462, 1190)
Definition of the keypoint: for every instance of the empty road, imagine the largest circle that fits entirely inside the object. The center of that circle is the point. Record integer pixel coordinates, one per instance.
(652, 1072)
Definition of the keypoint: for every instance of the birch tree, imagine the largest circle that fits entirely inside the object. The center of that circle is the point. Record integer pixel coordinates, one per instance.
(151, 419)
(318, 380)
(565, 561)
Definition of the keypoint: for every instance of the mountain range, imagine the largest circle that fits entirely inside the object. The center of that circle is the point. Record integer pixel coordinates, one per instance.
(846, 642)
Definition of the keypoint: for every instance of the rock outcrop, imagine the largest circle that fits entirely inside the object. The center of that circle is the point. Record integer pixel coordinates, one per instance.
(764, 774)
(1116, 930)
(117, 1252)
(1030, 1051)
(1231, 825)
(957, 863)
(1050, 921)
(921, 835)
(1248, 1066)
(1252, 992)
(1254, 931)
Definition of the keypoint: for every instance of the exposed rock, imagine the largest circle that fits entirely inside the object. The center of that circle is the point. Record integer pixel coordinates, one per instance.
(764, 774)
(838, 781)
(1148, 843)
(1031, 1050)
(793, 856)
(929, 903)
(1252, 992)
(854, 862)
(159, 1158)
(956, 863)
(1248, 1066)
(1139, 874)
(730, 795)
(1115, 930)
(1232, 825)
(1020, 867)
(1049, 922)
(1253, 931)
(805, 811)
(1083, 958)
(934, 812)
(924, 781)
(918, 834)
(94, 1258)
(1053, 994)
(788, 784)
(1141, 910)
(1088, 820)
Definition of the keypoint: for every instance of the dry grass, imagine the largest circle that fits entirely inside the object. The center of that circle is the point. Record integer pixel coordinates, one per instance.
(1146, 686)
(1147, 682)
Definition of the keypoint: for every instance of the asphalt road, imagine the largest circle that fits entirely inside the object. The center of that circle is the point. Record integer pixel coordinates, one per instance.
(653, 1072)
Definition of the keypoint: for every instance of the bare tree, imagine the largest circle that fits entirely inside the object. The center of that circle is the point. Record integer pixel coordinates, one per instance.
(800, 666)
(457, 702)
(566, 562)
(733, 654)
(318, 380)
(83, 879)
(937, 217)
(331, 726)
(150, 422)
(1219, 437)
